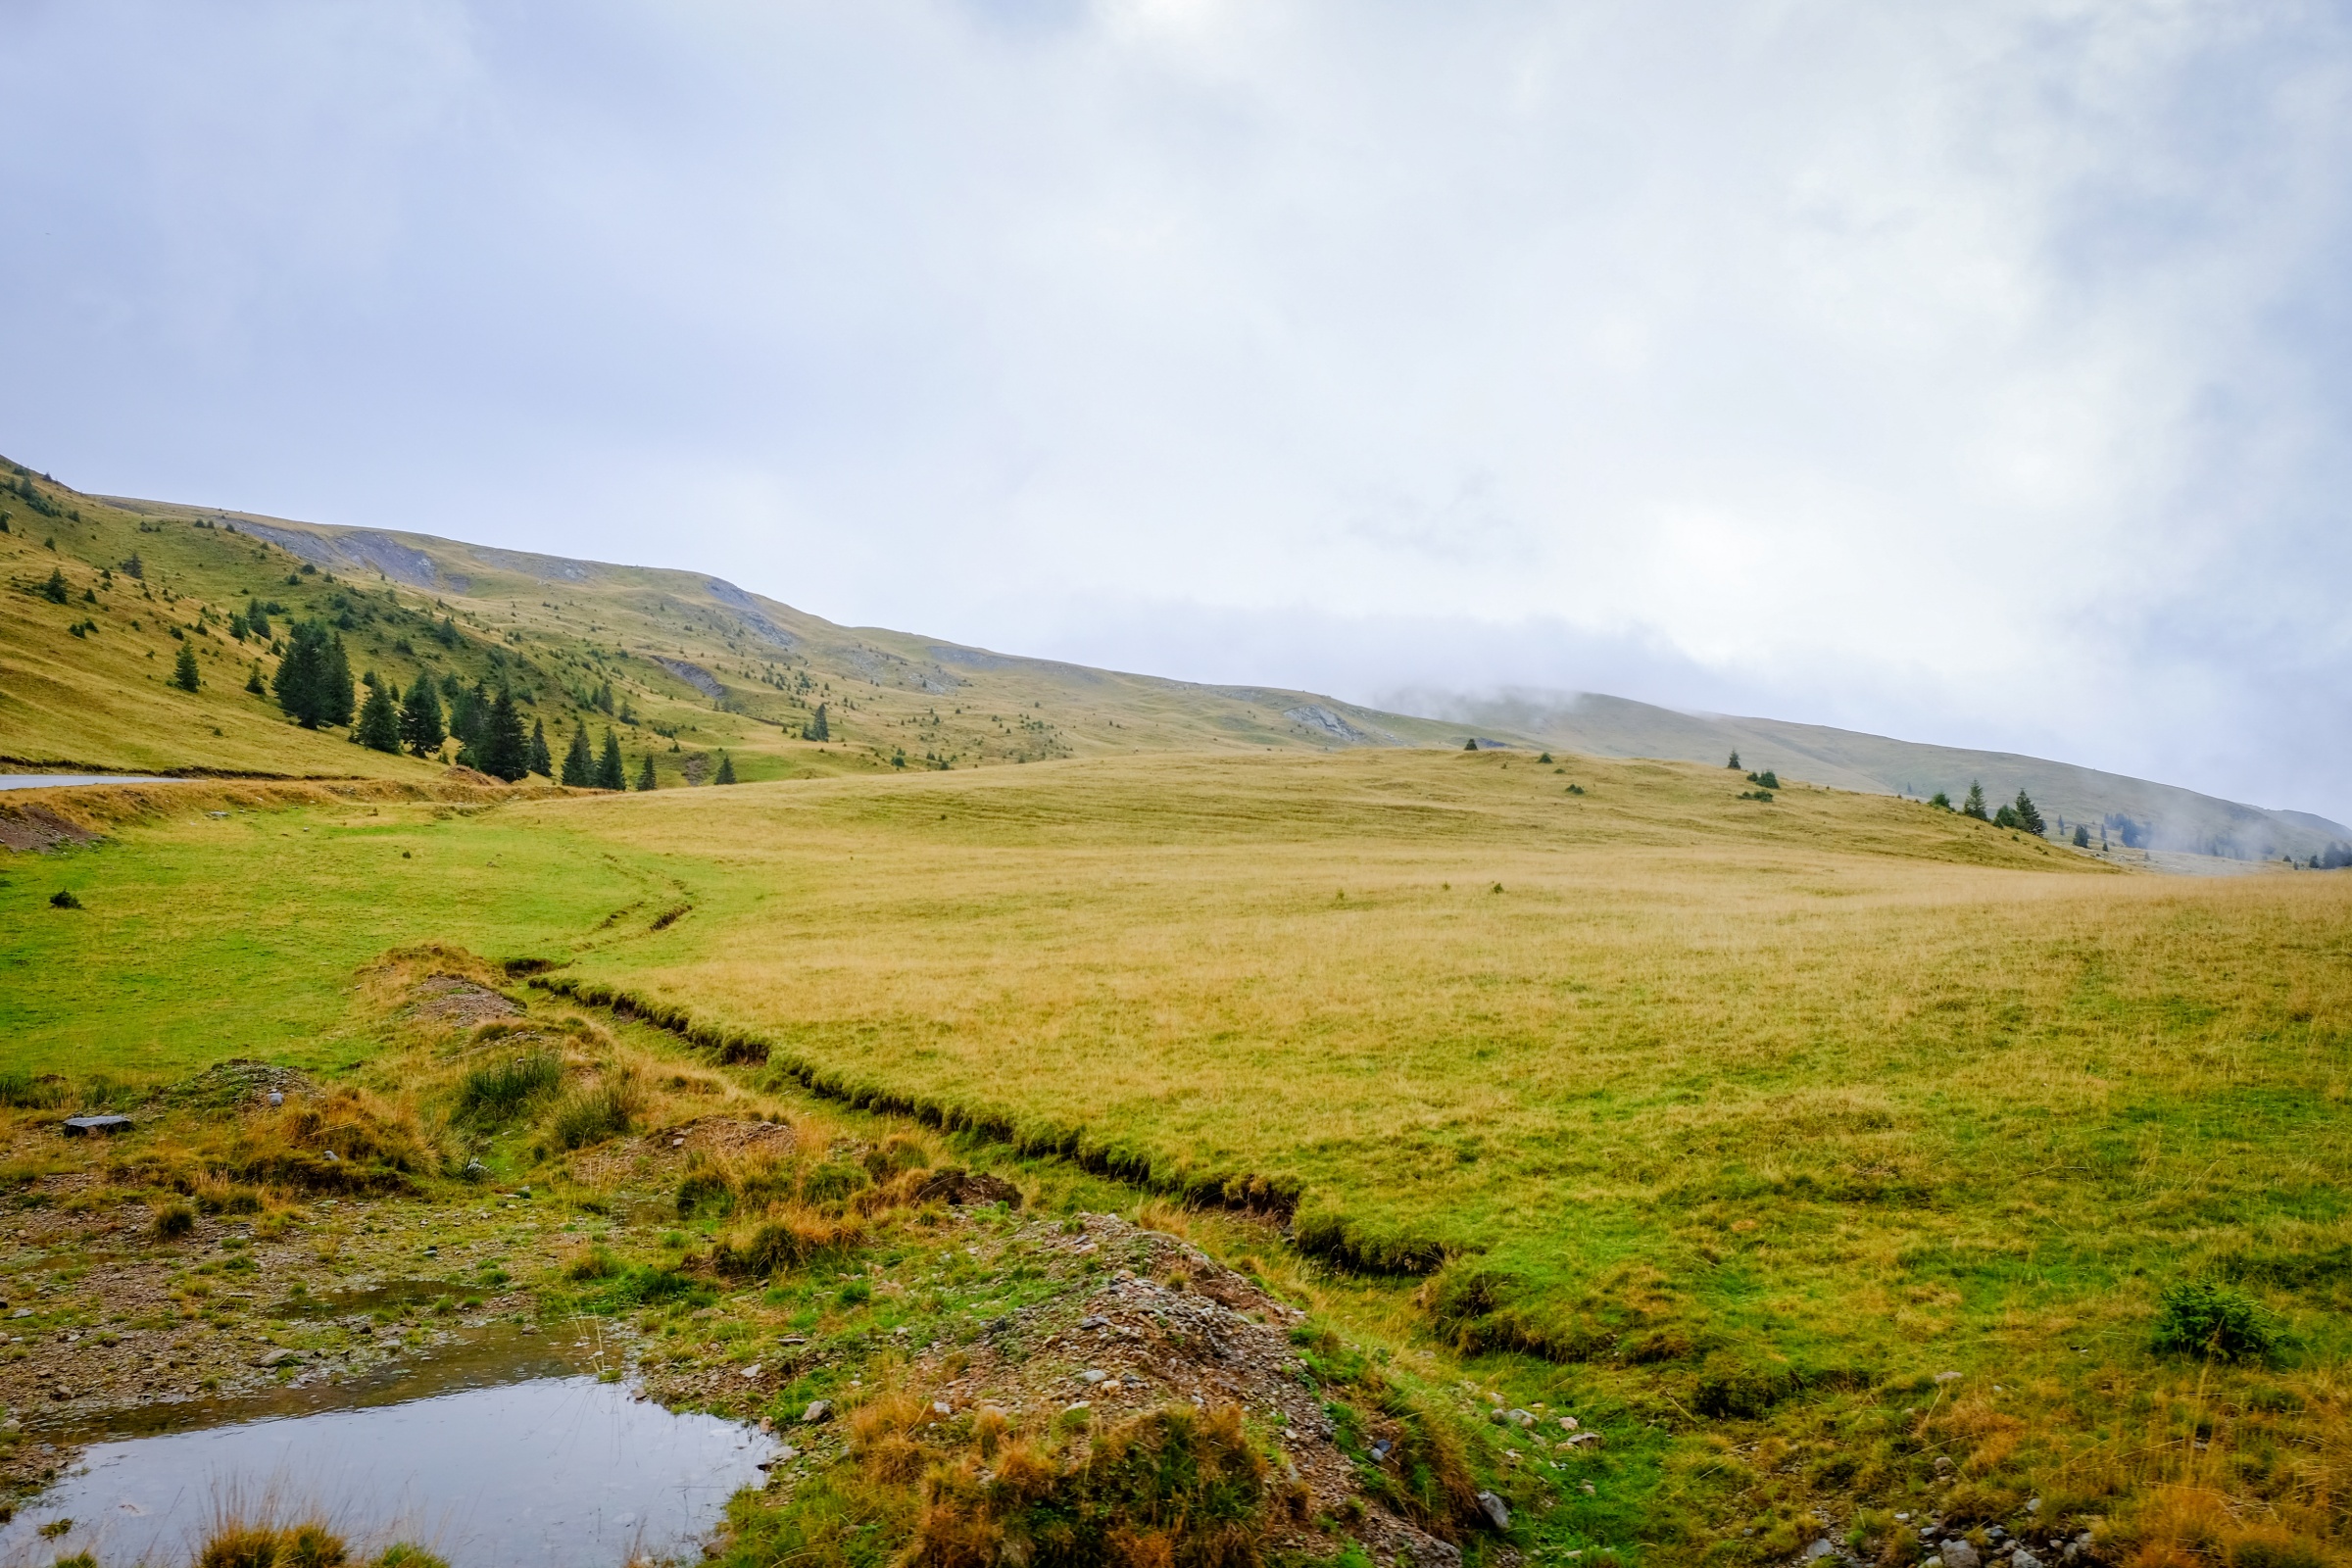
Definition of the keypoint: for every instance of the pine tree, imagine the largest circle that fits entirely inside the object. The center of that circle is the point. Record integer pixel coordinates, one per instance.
(2028, 816)
(541, 764)
(2082, 837)
(504, 750)
(726, 769)
(378, 728)
(184, 670)
(468, 722)
(1974, 805)
(1734, 763)
(420, 719)
(254, 682)
(645, 773)
(54, 590)
(306, 677)
(815, 729)
(610, 773)
(579, 768)
(256, 620)
(335, 694)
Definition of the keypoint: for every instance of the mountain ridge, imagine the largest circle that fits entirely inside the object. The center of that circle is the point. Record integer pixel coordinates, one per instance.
(701, 662)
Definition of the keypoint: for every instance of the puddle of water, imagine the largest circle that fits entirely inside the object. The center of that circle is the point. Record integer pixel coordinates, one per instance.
(483, 1358)
(555, 1470)
(391, 1294)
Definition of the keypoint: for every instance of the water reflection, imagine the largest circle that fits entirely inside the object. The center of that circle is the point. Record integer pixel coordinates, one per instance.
(557, 1470)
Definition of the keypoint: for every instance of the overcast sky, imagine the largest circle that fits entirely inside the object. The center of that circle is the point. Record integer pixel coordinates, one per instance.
(1972, 373)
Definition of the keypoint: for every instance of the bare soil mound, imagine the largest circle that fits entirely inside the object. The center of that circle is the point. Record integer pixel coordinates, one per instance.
(458, 1004)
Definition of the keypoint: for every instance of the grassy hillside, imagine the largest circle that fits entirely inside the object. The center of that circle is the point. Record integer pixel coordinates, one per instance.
(2136, 812)
(685, 665)
(680, 665)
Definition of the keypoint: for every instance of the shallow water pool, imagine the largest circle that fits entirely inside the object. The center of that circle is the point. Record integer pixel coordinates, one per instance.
(568, 1470)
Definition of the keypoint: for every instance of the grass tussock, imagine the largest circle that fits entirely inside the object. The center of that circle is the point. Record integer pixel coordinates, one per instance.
(591, 1112)
(1176, 1487)
(788, 1235)
(350, 1141)
(493, 1094)
(308, 1543)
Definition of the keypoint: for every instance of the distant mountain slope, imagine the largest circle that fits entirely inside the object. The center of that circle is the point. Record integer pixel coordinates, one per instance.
(2142, 814)
(682, 665)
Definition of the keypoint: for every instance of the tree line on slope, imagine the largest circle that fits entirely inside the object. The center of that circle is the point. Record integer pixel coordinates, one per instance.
(315, 688)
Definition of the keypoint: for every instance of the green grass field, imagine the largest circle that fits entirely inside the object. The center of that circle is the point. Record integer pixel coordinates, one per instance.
(1726, 1115)
(201, 938)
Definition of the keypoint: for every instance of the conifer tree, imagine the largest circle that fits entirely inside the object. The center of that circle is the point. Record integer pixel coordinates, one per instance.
(541, 764)
(2027, 816)
(2082, 837)
(54, 590)
(184, 670)
(256, 620)
(313, 678)
(504, 750)
(579, 768)
(335, 694)
(254, 682)
(1974, 804)
(1734, 763)
(378, 728)
(726, 769)
(420, 719)
(815, 729)
(468, 722)
(645, 772)
(609, 774)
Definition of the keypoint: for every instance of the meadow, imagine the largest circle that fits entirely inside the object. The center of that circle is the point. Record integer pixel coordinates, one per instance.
(1738, 1123)
(1714, 1101)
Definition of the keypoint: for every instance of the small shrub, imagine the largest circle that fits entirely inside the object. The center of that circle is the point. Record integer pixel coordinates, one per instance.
(494, 1093)
(63, 899)
(174, 1221)
(2198, 1317)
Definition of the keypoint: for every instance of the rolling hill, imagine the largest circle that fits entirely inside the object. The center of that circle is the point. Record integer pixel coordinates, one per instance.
(683, 666)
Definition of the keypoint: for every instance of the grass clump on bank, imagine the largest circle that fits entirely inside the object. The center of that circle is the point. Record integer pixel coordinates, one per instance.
(495, 1092)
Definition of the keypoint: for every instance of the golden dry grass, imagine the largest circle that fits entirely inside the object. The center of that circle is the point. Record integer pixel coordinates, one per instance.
(1838, 1091)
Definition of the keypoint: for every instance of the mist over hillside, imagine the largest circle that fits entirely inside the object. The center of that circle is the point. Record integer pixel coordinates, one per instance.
(2137, 812)
(688, 665)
